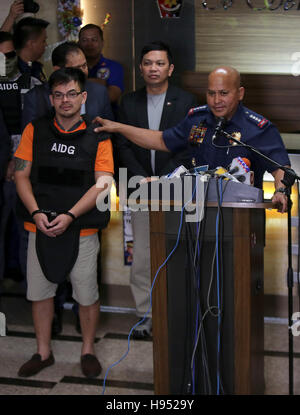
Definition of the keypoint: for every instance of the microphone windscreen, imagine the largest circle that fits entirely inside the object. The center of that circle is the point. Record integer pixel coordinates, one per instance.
(239, 165)
(220, 171)
(247, 161)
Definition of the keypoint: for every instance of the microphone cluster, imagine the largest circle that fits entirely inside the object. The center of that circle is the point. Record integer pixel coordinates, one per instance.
(238, 171)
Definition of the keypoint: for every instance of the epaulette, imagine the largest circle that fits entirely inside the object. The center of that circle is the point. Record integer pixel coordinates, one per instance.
(257, 119)
(192, 111)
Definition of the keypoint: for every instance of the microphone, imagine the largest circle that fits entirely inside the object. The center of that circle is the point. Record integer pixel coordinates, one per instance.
(220, 123)
(240, 169)
(239, 165)
(222, 172)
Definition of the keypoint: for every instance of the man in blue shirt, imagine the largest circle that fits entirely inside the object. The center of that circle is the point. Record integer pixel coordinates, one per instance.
(224, 96)
(101, 70)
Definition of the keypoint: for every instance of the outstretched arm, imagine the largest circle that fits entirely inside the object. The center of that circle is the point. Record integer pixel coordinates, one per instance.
(143, 137)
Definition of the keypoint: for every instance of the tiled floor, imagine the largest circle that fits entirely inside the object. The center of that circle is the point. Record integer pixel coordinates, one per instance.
(127, 366)
(132, 375)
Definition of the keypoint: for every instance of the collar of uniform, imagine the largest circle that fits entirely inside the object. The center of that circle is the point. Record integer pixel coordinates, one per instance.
(23, 66)
(98, 64)
(80, 125)
(103, 61)
(210, 118)
(236, 119)
(35, 69)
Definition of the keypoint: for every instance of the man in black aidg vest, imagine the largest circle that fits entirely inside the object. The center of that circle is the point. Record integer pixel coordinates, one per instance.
(37, 104)
(13, 87)
(58, 163)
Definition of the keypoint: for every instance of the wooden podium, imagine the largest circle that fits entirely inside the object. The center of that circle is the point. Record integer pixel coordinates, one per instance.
(242, 341)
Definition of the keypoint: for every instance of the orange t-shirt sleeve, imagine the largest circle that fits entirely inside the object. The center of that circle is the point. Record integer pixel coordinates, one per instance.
(24, 150)
(104, 158)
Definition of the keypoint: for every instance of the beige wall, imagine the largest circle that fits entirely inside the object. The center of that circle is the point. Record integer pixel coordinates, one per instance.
(48, 11)
(117, 33)
(4, 9)
(251, 41)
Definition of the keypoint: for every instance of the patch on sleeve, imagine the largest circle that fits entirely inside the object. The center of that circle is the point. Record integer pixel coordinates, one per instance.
(259, 120)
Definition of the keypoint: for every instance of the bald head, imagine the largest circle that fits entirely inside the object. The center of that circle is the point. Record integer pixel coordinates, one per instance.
(226, 72)
(224, 91)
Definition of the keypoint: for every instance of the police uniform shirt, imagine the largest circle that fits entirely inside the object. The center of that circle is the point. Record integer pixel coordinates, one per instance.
(109, 71)
(34, 69)
(197, 129)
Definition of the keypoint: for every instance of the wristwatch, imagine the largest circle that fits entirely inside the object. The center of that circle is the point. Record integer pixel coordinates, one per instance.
(281, 190)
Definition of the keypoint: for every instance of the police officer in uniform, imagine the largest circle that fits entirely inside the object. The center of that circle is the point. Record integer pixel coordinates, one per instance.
(224, 96)
(13, 86)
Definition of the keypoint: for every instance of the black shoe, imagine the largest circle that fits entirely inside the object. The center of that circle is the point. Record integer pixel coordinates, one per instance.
(35, 365)
(90, 366)
(57, 324)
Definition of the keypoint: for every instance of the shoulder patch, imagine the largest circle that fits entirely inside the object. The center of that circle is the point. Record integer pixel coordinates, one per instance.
(202, 108)
(257, 119)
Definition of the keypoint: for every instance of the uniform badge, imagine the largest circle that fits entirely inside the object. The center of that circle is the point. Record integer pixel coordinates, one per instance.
(262, 123)
(237, 135)
(103, 73)
(197, 134)
(258, 119)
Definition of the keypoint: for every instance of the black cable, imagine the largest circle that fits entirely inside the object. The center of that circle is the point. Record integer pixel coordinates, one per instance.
(195, 261)
(298, 256)
(186, 381)
(197, 303)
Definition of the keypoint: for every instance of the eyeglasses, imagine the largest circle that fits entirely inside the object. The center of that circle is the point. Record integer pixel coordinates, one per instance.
(70, 95)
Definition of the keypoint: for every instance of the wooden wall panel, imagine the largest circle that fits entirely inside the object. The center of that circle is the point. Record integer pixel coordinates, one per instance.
(251, 41)
(178, 33)
(276, 97)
